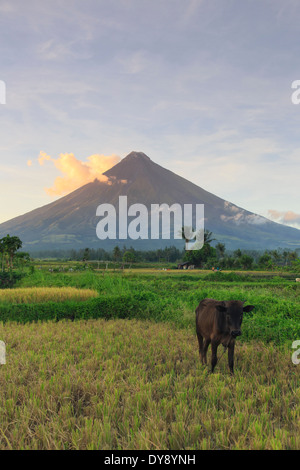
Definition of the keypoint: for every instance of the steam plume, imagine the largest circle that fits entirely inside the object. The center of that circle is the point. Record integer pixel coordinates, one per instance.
(75, 172)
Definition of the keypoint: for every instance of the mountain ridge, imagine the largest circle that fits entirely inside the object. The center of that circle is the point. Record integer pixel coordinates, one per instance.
(70, 222)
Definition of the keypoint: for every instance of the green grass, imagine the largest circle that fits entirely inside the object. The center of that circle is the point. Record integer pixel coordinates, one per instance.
(170, 297)
(128, 384)
(126, 373)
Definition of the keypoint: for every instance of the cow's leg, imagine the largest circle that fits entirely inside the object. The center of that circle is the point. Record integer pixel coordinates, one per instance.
(200, 341)
(231, 355)
(214, 358)
(206, 344)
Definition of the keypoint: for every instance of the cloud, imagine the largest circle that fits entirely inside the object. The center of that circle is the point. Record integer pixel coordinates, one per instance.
(231, 207)
(42, 157)
(6, 7)
(191, 11)
(57, 50)
(285, 217)
(241, 216)
(75, 172)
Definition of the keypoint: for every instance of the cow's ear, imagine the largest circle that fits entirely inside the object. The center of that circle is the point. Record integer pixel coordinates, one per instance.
(221, 308)
(248, 308)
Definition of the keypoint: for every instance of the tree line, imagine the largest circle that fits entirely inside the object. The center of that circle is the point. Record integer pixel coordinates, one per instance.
(217, 256)
(128, 255)
(207, 257)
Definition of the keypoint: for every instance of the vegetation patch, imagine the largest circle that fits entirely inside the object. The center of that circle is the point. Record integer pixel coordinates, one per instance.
(130, 377)
(165, 297)
(34, 295)
(134, 385)
(108, 306)
(229, 277)
(9, 279)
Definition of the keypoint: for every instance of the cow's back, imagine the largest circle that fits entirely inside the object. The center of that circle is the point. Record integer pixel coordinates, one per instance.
(206, 316)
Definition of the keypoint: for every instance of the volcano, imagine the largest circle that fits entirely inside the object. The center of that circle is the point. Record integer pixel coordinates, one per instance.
(70, 222)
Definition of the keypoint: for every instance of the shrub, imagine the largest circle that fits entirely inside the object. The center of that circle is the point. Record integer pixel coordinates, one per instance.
(123, 306)
(8, 279)
(230, 277)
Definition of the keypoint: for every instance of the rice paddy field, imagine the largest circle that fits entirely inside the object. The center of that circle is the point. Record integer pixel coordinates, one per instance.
(45, 294)
(132, 380)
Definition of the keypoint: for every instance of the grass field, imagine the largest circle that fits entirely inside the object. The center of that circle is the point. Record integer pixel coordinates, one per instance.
(138, 383)
(45, 294)
(174, 296)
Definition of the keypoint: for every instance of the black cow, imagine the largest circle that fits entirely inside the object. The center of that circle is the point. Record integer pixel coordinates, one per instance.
(219, 322)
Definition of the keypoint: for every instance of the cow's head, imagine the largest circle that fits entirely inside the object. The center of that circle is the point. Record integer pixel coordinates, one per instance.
(232, 313)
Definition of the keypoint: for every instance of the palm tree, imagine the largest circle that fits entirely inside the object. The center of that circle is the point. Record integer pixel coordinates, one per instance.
(292, 256)
(186, 233)
(208, 237)
(220, 247)
(276, 256)
(285, 256)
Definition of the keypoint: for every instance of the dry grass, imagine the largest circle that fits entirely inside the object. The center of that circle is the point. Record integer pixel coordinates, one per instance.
(127, 384)
(44, 294)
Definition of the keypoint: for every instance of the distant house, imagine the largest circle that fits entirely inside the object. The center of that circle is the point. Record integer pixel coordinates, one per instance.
(183, 265)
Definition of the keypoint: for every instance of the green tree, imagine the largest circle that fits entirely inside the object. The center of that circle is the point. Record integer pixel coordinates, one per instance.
(11, 246)
(117, 253)
(265, 261)
(246, 261)
(22, 259)
(285, 256)
(86, 254)
(237, 253)
(208, 237)
(2, 252)
(128, 257)
(276, 256)
(206, 254)
(229, 262)
(292, 256)
(220, 247)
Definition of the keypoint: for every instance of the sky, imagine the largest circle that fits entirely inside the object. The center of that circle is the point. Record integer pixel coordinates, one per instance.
(203, 87)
